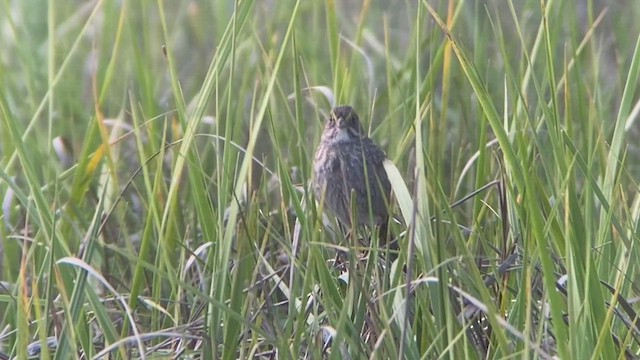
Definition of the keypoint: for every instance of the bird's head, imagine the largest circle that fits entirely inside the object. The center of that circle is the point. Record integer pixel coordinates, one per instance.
(343, 125)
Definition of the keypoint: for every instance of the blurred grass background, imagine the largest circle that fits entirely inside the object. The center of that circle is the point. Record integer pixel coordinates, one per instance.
(155, 155)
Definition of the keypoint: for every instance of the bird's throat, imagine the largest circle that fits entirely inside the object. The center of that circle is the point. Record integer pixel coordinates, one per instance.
(343, 135)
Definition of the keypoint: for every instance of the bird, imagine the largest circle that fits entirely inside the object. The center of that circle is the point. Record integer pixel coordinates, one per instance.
(346, 161)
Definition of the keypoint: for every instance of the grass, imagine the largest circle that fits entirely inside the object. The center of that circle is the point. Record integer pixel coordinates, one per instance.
(155, 160)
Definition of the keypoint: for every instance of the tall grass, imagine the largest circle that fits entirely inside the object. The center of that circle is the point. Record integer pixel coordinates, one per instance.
(155, 160)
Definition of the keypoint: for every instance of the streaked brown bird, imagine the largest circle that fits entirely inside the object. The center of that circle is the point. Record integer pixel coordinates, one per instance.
(348, 160)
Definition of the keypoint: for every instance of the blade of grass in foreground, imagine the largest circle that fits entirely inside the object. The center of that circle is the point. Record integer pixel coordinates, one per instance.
(190, 122)
(220, 285)
(613, 158)
(515, 173)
